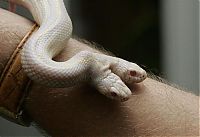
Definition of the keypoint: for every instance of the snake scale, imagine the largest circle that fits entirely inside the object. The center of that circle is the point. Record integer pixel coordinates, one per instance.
(110, 75)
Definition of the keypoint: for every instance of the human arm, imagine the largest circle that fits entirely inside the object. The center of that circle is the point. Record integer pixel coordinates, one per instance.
(153, 109)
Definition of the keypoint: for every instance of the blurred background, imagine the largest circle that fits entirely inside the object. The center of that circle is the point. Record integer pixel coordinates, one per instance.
(160, 35)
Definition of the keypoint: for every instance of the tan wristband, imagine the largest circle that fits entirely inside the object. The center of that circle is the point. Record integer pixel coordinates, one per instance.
(14, 86)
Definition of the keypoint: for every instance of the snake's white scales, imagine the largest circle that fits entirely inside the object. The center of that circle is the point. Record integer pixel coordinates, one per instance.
(108, 74)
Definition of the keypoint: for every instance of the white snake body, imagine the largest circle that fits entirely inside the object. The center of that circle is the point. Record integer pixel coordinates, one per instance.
(108, 74)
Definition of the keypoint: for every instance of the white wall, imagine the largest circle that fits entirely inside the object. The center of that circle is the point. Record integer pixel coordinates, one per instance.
(180, 27)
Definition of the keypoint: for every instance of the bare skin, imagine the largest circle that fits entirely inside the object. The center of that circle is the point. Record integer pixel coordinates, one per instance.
(154, 108)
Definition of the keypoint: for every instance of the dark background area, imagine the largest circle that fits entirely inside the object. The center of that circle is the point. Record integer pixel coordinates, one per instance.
(130, 28)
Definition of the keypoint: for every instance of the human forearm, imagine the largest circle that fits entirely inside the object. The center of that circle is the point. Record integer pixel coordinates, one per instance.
(154, 108)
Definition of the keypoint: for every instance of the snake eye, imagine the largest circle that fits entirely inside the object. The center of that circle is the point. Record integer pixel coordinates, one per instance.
(133, 73)
(113, 94)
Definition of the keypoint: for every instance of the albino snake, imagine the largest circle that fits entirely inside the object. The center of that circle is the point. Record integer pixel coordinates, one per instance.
(108, 74)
